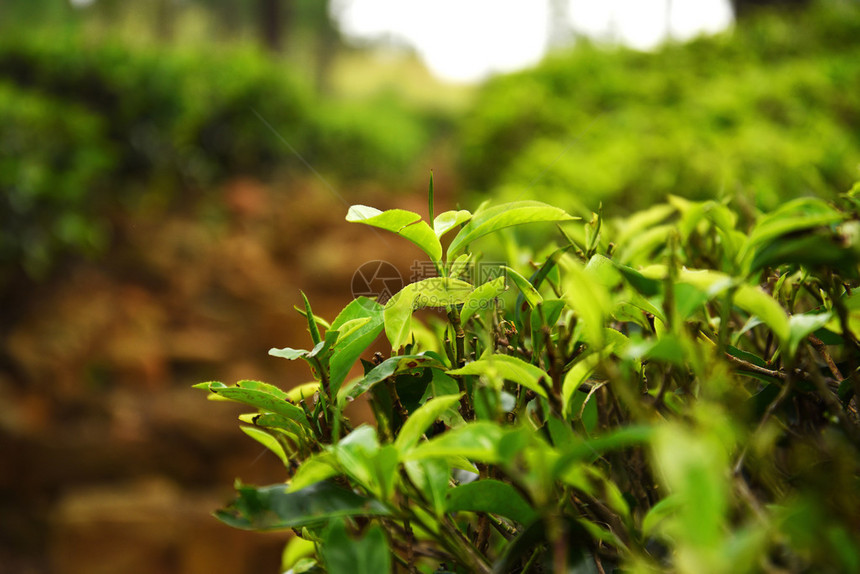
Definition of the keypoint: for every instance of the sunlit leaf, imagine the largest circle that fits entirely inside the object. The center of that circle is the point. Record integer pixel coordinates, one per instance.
(482, 298)
(475, 441)
(317, 468)
(271, 420)
(262, 400)
(397, 318)
(695, 468)
(366, 316)
(312, 324)
(302, 392)
(528, 291)
(659, 512)
(794, 216)
(404, 223)
(587, 297)
(448, 220)
(418, 421)
(574, 378)
(268, 441)
(755, 301)
(506, 367)
(505, 215)
(395, 365)
(355, 454)
(801, 326)
(431, 292)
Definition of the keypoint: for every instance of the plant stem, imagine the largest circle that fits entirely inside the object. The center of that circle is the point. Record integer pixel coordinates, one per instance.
(467, 410)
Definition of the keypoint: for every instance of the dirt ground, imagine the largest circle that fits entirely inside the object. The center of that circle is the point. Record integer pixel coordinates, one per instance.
(111, 462)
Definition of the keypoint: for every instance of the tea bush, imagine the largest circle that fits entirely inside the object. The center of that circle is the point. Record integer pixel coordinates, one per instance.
(673, 391)
(48, 183)
(95, 128)
(766, 112)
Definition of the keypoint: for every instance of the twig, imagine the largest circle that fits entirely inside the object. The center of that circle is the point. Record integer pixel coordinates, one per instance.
(821, 348)
(753, 368)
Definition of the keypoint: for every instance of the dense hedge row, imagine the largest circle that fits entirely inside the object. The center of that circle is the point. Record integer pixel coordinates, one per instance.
(91, 127)
(671, 392)
(768, 111)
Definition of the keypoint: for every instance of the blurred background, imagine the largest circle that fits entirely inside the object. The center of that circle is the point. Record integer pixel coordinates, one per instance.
(174, 172)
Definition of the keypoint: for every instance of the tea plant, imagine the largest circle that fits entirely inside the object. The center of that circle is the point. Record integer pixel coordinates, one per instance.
(671, 392)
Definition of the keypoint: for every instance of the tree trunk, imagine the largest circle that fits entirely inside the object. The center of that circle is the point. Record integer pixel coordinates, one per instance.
(271, 24)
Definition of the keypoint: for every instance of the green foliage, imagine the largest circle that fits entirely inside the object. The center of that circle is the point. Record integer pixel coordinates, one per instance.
(681, 404)
(93, 129)
(734, 114)
(53, 161)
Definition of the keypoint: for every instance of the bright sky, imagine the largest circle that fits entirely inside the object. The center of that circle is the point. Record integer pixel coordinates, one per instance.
(465, 40)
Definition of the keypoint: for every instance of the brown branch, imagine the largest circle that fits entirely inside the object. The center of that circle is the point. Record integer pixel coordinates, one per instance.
(821, 348)
(753, 368)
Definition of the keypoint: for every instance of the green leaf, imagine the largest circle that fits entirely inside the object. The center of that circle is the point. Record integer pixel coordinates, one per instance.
(431, 199)
(385, 464)
(390, 367)
(271, 420)
(574, 378)
(801, 326)
(531, 295)
(351, 343)
(448, 220)
(482, 298)
(476, 441)
(552, 310)
(273, 507)
(431, 292)
(404, 223)
(659, 513)
(640, 247)
(439, 292)
(587, 297)
(319, 467)
(645, 286)
(667, 348)
(414, 427)
(265, 387)
(312, 324)
(492, 496)
(504, 215)
(355, 455)
(695, 467)
(262, 400)
(344, 555)
(397, 318)
(755, 301)
(296, 550)
(268, 441)
(814, 249)
(604, 271)
(301, 392)
(496, 367)
(591, 449)
(289, 353)
(638, 223)
(797, 215)
(431, 477)
(460, 266)
(317, 319)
